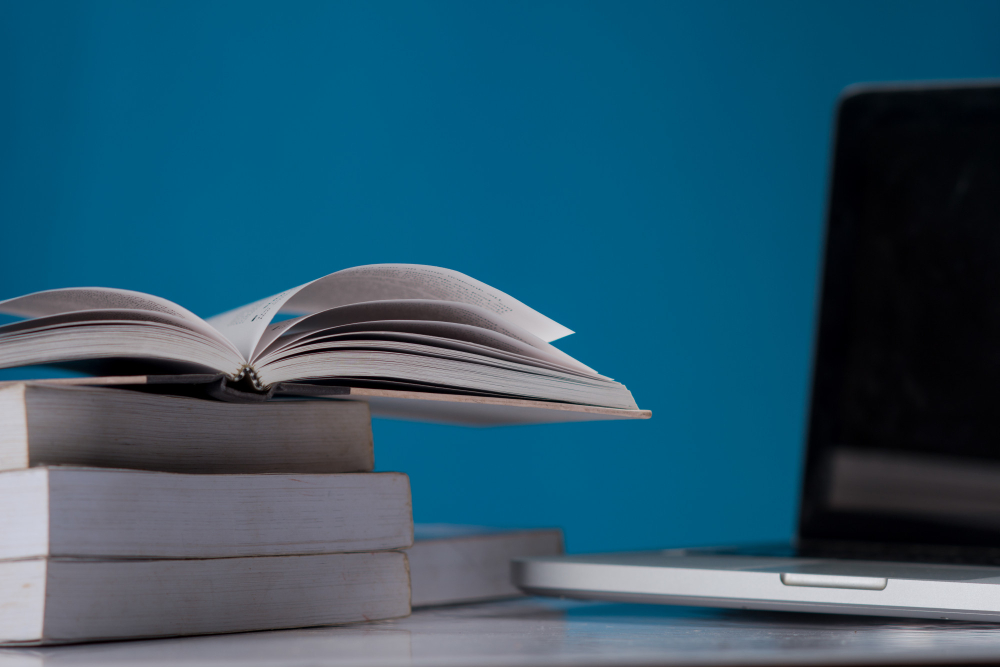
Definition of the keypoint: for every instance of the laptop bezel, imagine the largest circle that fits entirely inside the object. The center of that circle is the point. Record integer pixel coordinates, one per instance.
(821, 531)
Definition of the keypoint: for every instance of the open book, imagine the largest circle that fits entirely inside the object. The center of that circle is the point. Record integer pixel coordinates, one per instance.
(402, 327)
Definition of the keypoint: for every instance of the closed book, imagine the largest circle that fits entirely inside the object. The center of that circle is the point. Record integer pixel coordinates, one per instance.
(452, 564)
(81, 512)
(44, 424)
(59, 600)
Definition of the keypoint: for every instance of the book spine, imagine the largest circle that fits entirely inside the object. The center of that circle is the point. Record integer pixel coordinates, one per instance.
(250, 373)
(13, 428)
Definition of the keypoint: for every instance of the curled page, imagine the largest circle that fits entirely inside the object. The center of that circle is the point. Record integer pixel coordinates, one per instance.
(381, 282)
(414, 310)
(72, 299)
(445, 335)
(85, 301)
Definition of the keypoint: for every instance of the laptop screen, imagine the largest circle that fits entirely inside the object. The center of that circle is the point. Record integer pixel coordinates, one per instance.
(904, 432)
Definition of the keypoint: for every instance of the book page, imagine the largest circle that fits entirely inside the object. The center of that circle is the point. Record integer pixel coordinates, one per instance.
(98, 337)
(81, 300)
(244, 326)
(455, 370)
(369, 339)
(71, 299)
(384, 282)
(431, 317)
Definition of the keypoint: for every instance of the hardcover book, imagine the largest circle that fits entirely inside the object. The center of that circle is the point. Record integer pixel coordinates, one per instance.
(392, 329)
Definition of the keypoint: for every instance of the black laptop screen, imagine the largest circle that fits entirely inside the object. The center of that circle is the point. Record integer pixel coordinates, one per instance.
(904, 433)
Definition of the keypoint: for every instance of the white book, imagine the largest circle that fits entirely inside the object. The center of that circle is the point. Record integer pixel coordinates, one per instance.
(80, 512)
(57, 600)
(452, 564)
(49, 424)
(401, 326)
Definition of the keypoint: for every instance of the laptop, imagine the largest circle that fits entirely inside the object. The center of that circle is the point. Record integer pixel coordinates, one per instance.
(900, 507)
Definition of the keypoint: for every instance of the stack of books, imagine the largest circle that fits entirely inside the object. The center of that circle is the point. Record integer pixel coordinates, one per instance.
(202, 477)
(139, 515)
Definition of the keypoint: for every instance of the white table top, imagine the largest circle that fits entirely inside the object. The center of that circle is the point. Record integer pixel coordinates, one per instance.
(542, 632)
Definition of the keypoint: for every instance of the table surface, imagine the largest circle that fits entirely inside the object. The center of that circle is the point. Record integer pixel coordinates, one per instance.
(536, 631)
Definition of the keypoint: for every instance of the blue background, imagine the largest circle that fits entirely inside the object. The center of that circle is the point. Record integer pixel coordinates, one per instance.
(651, 175)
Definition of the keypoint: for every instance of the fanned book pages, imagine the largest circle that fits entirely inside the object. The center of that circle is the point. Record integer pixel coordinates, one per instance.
(398, 328)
